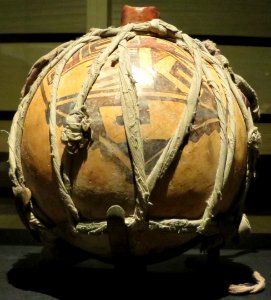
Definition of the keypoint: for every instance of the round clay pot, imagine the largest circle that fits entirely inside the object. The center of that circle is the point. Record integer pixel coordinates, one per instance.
(101, 173)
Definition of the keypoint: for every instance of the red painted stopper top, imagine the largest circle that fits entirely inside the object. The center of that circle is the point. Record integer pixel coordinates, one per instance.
(131, 14)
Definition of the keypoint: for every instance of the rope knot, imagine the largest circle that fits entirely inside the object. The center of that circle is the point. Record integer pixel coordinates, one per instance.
(254, 138)
(76, 133)
(214, 51)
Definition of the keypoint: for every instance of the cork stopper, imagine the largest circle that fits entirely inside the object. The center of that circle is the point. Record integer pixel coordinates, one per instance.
(131, 14)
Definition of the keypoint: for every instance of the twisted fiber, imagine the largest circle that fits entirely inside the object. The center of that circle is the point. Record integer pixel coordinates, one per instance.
(253, 135)
(216, 194)
(15, 136)
(251, 95)
(253, 148)
(130, 111)
(172, 225)
(247, 288)
(230, 107)
(225, 74)
(227, 135)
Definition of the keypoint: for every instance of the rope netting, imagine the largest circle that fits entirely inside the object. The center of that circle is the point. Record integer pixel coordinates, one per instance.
(78, 124)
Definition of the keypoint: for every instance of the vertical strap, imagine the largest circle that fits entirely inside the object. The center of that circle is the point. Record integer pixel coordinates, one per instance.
(130, 111)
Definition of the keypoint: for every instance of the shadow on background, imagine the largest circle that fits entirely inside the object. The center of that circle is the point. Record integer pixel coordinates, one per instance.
(187, 275)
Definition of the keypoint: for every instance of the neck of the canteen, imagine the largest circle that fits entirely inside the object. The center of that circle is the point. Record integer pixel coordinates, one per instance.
(132, 14)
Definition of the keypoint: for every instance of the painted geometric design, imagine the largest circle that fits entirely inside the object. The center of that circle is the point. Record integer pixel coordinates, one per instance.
(163, 76)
